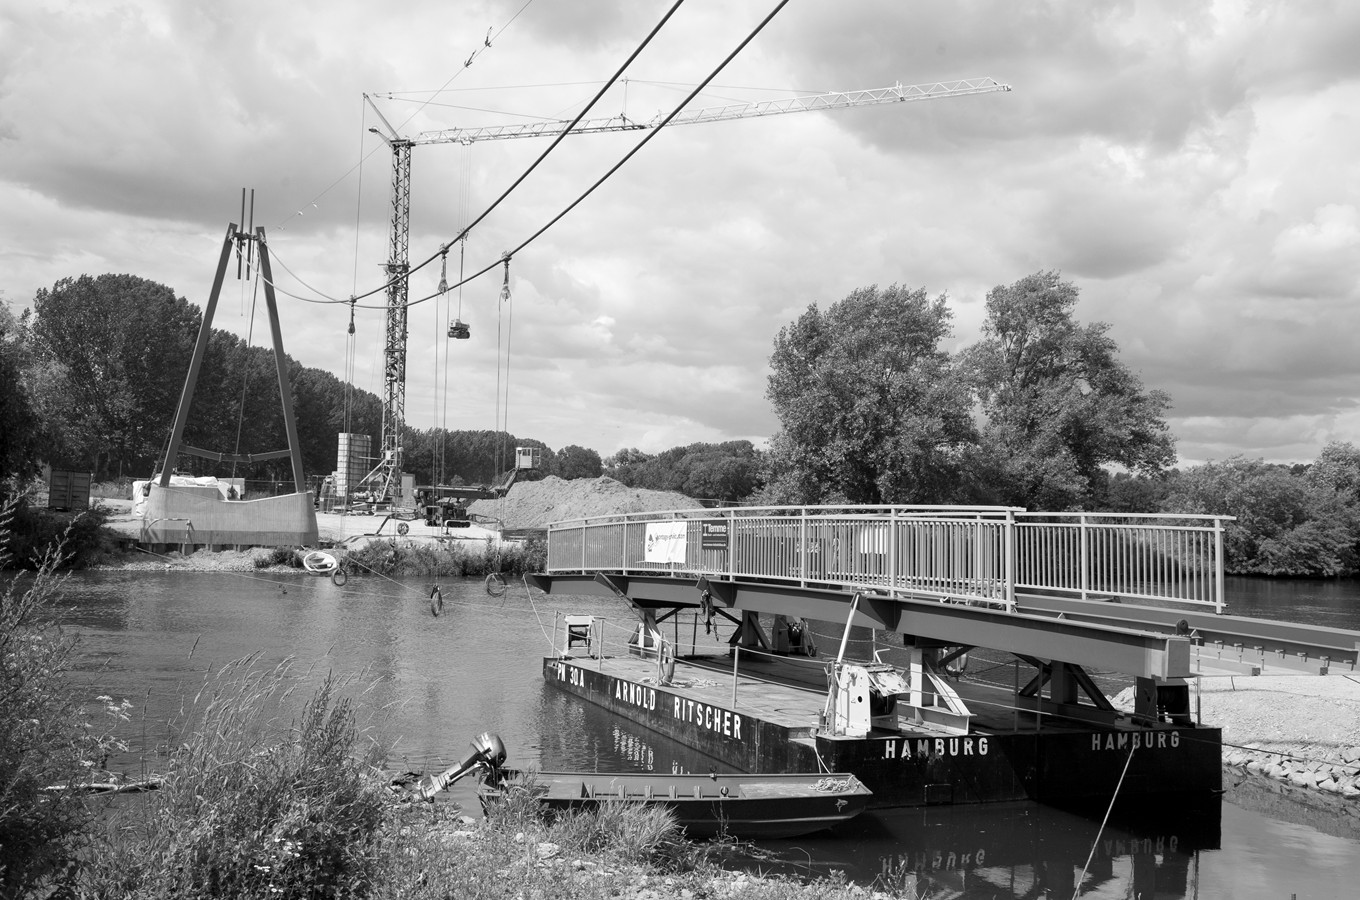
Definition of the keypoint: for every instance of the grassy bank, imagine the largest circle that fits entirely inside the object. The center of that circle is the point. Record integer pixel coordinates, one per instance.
(406, 558)
(262, 793)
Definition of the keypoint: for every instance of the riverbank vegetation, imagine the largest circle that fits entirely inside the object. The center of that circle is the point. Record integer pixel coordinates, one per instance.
(47, 734)
(447, 560)
(262, 794)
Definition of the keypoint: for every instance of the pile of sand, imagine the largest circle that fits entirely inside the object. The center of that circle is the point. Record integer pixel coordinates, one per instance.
(536, 504)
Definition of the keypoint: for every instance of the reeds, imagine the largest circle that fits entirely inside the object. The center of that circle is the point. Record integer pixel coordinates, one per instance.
(253, 804)
(48, 743)
(450, 560)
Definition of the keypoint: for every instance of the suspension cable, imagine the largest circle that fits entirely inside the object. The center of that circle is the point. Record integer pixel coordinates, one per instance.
(245, 374)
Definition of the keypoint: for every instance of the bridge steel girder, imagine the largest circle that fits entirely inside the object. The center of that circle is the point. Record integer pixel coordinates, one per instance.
(1292, 640)
(1099, 646)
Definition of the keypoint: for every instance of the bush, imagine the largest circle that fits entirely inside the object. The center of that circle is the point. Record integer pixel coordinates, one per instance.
(82, 537)
(445, 559)
(46, 739)
(245, 811)
(277, 556)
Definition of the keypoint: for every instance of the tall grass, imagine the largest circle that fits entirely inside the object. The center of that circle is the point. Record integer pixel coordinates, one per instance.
(398, 558)
(253, 807)
(49, 746)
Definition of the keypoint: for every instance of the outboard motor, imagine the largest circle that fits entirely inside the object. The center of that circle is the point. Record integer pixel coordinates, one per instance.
(487, 750)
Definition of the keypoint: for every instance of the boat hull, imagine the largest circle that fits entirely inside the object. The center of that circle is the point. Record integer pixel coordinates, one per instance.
(1075, 765)
(745, 806)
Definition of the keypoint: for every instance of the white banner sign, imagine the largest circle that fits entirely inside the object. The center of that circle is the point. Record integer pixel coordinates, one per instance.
(666, 542)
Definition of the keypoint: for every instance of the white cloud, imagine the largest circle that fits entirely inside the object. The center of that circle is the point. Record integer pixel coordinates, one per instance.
(1190, 166)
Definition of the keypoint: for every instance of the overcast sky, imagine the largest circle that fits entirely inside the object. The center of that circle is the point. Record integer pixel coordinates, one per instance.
(1192, 167)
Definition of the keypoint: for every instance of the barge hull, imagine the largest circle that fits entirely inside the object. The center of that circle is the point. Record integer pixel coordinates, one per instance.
(772, 730)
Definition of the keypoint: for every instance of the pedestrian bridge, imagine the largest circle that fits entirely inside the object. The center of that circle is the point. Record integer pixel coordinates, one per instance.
(1141, 594)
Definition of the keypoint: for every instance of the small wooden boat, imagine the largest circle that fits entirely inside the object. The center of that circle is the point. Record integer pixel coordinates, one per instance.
(745, 806)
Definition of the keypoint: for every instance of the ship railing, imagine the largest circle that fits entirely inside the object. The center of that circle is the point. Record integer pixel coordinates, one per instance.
(976, 555)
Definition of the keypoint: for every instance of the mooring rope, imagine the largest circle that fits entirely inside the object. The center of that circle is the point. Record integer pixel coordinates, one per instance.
(1096, 843)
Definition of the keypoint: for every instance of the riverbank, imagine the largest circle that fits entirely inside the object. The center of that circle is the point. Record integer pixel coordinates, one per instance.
(1297, 731)
(1300, 732)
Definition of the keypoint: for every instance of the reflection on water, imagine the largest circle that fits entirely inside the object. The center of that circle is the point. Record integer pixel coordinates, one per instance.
(1331, 602)
(1006, 850)
(434, 683)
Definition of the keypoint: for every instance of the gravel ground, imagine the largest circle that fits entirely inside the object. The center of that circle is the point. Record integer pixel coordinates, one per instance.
(1300, 730)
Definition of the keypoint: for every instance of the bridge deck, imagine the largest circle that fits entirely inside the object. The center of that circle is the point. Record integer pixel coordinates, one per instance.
(1138, 641)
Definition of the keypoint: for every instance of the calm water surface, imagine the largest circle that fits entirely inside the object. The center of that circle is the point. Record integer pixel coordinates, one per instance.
(436, 682)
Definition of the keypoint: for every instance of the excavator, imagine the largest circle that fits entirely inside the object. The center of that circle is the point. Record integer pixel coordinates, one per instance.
(446, 505)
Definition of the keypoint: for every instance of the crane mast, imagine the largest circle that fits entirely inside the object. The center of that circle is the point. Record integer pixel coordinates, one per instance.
(384, 479)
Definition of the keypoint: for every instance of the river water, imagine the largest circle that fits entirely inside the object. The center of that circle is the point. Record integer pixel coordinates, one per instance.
(432, 683)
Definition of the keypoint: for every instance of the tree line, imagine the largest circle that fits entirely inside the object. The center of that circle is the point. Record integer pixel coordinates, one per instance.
(93, 372)
(1040, 413)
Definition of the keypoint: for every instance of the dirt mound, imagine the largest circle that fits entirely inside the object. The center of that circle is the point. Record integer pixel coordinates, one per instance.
(536, 504)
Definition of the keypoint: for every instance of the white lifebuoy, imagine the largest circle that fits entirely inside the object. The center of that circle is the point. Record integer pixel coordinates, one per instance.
(436, 601)
(495, 584)
(665, 662)
(319, 562)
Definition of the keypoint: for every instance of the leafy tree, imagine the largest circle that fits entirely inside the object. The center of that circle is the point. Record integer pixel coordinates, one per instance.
(1058, 404)
(1285, 524)
(19, 425)
(627, 466)
(872, 409)
(118, 346)
(729, 471)
(574, 461)
(1338, 468)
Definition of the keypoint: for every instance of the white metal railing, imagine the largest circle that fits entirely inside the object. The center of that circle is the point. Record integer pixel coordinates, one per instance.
(950, 553)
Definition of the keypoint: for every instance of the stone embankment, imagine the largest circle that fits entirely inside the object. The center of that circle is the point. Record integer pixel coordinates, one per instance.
(1300, 730)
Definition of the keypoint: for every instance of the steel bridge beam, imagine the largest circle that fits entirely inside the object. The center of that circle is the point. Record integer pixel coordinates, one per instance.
(1285, 644)
(1134, 652)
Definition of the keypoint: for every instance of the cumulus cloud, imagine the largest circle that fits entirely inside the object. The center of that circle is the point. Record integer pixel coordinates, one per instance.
(1189, 166)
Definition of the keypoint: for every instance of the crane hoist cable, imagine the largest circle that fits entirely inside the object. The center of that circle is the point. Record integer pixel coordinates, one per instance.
(349, 371)
(505, 312)
(441, 395)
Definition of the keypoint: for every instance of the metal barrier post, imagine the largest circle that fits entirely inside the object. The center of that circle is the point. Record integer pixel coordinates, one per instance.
(1085, 561)
(802, 545)
(1218, 567)
(736, 655)
(892, 550)
(1008, 549)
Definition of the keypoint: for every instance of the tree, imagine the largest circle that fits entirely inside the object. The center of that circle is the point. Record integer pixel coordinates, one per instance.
(1338, 468)
(19, 425)
(574, 461)
(1285, 524)
(872, 409)
(118, 347)
(1058, 404)
(626, 466)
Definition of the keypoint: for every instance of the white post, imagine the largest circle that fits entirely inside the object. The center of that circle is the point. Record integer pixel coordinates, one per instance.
(1218, 566)
(736, 655)
(1008, 548)
(1085, 561)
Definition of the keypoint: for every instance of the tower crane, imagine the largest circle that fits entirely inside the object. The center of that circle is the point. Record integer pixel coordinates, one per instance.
(384, 477)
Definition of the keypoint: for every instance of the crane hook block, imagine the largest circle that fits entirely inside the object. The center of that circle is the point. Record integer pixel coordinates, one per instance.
(460, 330)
